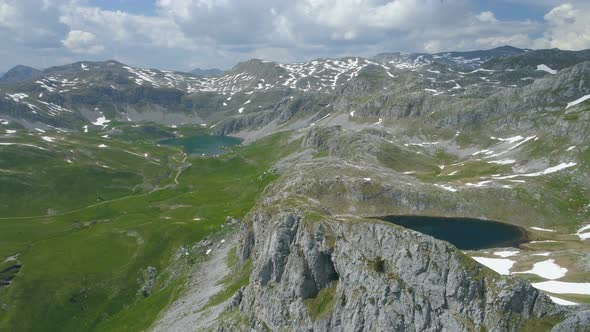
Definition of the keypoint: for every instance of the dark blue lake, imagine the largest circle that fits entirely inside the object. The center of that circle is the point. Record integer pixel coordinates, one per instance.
(204, 144)
(464, 233)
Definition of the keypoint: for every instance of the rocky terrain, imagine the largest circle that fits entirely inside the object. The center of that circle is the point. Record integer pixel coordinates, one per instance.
(499, 134)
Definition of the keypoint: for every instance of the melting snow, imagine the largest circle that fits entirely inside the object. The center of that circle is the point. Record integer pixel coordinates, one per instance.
(577, 101)
(584, 232)
(102, 121)
(500, 265)
(547, 69)
(502, 162)
(540, 173)
(48, 139)
(17, 97)
(506, 253)
(23, 144)
(102, 146)
(241, 110)
(547, 269)
(561, 301)
(510, 139)
(562, 287)
(479, 184)
(421, 144)
(446, 187)
(570, 148)
(542, 229)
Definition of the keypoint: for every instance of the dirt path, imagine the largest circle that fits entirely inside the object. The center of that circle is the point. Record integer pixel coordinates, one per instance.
(186, 313)
(178, 171)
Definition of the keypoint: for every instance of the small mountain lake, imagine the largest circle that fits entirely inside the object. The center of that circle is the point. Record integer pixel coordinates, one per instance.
(203, 144)
(464, 233)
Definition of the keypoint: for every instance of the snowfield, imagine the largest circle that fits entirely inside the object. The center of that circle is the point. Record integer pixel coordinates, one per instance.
(546, 68)
(577, 101)
(547, 269)
(562, 287)
(500, 265)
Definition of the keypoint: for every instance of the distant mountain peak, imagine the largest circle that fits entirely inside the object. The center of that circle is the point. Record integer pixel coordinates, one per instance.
(212, 72)
(20, 73)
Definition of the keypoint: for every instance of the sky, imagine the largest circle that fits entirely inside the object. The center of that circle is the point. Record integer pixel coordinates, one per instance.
(186, 34)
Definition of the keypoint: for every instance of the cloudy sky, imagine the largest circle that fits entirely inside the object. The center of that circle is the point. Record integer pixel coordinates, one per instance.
(184, 34)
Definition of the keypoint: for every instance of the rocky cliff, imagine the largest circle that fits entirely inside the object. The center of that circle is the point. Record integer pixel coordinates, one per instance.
(313, 272)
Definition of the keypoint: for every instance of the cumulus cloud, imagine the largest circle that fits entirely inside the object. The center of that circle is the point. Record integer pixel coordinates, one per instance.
(180, 34)
(82, 42)
(487, 17)
(569, 28)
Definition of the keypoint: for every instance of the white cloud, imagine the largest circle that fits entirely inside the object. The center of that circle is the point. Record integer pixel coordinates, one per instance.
(487, 16)
(569, 28)
(82, 42)
(184, 33)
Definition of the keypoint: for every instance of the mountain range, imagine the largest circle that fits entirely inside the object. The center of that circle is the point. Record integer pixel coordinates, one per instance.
(287, 230)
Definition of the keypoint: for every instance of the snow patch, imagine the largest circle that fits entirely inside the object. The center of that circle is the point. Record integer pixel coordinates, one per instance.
(577, 101)
(562, 287)
(502, 162)
(102, 121)
(446, 187)
(506, 253)
(584, 232)
(542, 229)
(549, 170)
(557, 300)
(547, 269)
(500, 265)
(546, 68)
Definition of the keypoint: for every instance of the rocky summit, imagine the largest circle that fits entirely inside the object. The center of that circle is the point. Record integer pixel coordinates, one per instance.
(287, 230)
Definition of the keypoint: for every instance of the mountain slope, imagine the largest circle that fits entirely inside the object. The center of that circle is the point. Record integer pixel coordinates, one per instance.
(330, 145)
(213, 72)
(20, 73)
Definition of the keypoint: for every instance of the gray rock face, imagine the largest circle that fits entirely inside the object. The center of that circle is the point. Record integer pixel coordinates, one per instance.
(373, 276)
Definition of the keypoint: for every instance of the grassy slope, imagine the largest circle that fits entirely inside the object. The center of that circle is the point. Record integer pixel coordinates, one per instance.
(80, 270)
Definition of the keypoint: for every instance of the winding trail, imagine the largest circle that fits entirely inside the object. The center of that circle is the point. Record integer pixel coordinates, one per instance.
(179, 170)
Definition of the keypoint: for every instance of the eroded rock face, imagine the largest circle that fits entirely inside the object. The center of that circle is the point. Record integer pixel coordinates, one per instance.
(372, 276)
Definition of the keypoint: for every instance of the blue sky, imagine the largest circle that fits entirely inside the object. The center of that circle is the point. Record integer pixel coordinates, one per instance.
(184, 34)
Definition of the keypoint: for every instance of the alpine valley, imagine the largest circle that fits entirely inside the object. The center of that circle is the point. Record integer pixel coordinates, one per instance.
(403, 192)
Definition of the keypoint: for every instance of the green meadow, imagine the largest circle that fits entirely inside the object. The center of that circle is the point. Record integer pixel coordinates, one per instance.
(90, 227)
